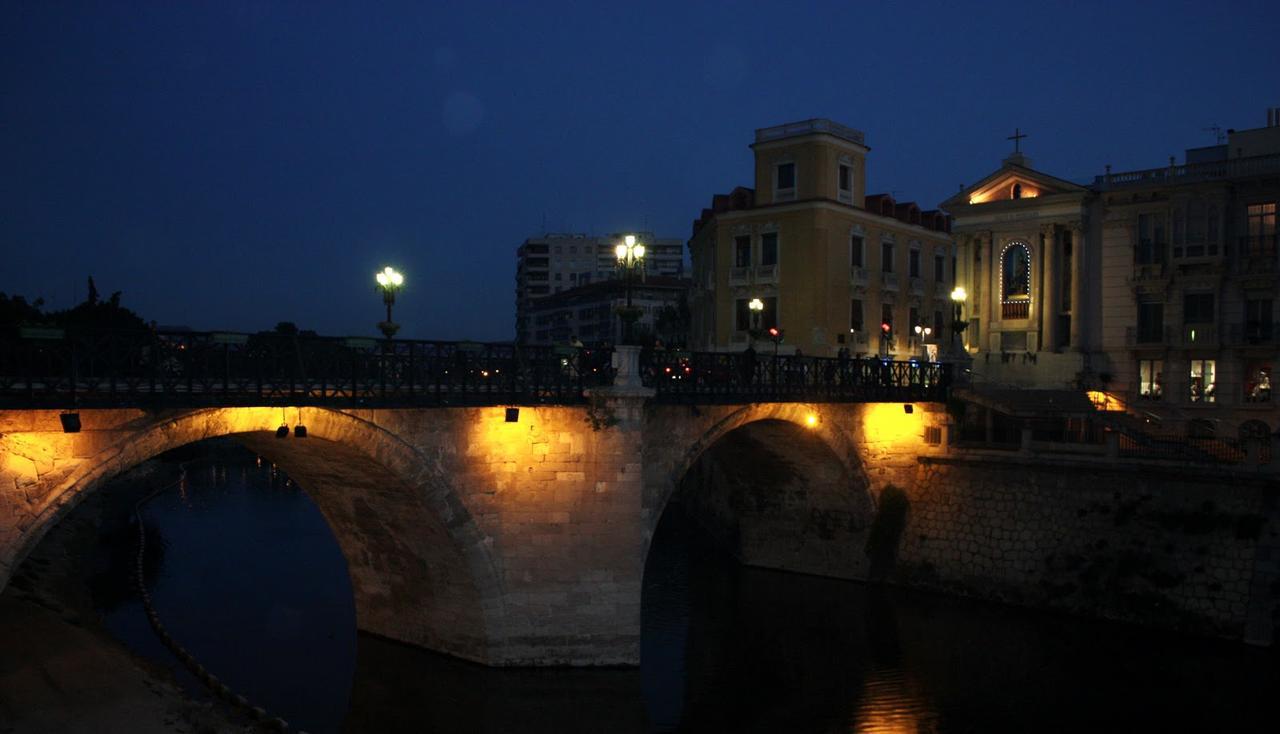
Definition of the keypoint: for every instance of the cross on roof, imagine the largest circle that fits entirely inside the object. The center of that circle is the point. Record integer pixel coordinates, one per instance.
(1016, 137)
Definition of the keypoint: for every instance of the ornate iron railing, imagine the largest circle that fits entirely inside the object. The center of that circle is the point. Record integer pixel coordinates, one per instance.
(47, 368)
(706, 377)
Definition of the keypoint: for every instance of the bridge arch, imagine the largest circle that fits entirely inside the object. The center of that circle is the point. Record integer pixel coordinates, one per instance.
(782, 484)
(421, 569)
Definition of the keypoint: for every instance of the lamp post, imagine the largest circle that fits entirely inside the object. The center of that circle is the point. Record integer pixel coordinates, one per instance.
(756, 307)
(958, 297)
(630, 254)
(922, 333)
(389, 282)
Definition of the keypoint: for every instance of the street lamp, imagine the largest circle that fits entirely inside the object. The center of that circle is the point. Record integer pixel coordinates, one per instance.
(630, 254)
(958, 297)
(389, 282)
(922, 333)
(757, 310)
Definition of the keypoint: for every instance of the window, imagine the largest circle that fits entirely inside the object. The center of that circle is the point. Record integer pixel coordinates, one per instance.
(742, 251)
(937, 324)
(558, 276)
(1203, 375)
(939, 268)
(845, 178)
(1197, 308)
(1150, 323)
(1151, 378)
(913, 319)
(1261, 239)
(914, 263)
(1257, 382)
(1015, 275)
(785, 175)
(886, 257)
(1258, 320)
(855, 251)
(855, 315)
(769, 248)
(742, 315)
(844, 182)
(1150, 250)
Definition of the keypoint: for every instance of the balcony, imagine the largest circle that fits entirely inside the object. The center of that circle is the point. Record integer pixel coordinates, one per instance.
(1200, 336)
(766, 274)
(858, 276)
(1257, 255)
(740, 275)
(1145, 273)
(1190, 172)
(917, 287)
(1198, 251)
(889, 281)
(1253, 334)
(1136, 337)
(1015, 309)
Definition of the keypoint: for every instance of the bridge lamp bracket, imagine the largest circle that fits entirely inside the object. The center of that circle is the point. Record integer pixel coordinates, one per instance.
(70, 422)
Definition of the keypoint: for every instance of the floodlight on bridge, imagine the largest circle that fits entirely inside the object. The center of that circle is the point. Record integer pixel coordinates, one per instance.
(513, 415)
(811, 420)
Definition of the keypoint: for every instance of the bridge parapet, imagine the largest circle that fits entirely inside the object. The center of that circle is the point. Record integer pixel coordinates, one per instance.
(46, 368)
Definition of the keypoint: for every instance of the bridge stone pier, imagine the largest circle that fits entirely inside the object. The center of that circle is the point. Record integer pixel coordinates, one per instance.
(512, 543)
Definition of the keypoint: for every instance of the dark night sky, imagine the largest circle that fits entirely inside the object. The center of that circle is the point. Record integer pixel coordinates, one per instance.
(245, 163)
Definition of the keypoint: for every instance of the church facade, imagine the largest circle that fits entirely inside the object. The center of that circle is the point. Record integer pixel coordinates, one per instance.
(1157, 286)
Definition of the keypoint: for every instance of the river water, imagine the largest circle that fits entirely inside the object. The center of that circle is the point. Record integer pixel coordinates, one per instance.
(244, 572)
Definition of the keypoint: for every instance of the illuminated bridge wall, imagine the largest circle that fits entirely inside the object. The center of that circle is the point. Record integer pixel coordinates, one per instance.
(524, 543)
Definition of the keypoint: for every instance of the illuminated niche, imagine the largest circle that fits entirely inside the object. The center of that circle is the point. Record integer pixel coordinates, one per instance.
(1015, 280)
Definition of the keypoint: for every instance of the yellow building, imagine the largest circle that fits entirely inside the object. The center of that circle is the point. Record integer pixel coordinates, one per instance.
(833, 266)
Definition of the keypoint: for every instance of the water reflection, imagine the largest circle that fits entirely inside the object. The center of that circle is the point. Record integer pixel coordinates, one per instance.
(252, 580)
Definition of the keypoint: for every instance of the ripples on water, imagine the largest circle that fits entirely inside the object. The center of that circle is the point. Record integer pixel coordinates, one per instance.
(251, 581)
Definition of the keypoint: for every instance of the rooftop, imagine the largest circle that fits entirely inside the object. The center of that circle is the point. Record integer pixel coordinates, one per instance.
(810, 127)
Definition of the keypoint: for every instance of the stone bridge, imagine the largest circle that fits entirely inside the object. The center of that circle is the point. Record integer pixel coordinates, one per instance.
(513, 543)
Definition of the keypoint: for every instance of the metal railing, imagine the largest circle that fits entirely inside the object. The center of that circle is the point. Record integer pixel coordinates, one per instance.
(47, 368)
(717, 377)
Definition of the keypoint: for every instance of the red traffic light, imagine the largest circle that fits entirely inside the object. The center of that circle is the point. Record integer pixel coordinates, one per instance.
(885, 327)
(773, 331)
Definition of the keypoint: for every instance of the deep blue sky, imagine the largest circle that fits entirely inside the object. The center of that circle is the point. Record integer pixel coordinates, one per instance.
(237, 164)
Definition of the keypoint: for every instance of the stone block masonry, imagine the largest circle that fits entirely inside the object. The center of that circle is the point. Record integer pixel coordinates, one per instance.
(1189, 549)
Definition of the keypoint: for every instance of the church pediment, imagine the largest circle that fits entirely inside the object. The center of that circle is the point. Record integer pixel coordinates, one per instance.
(1009, 183)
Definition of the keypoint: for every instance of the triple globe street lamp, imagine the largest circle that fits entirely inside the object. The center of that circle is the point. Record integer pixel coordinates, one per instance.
(389, 282)
(630, 256)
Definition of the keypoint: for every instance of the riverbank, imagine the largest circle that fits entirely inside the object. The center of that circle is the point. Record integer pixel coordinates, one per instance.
(60, 669)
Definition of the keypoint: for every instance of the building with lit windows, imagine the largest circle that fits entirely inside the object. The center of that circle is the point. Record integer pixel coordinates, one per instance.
(554, 263)
(834, 267)
(589, 313)
(1158, 285)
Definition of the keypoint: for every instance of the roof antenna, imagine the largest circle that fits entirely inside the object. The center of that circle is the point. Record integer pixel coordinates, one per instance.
(1217, 133)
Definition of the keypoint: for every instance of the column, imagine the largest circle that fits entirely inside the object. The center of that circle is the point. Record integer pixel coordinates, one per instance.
(1049, 296)
(1077, 285)
(990, 300)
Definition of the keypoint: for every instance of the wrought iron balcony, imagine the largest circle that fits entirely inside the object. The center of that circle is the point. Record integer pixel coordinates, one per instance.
(1140, 337)
(1252, 334)
(1199, 335)
(1257, 254)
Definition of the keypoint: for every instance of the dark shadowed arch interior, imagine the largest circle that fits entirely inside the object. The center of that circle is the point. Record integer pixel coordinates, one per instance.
(776, 495)
(410, 580)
